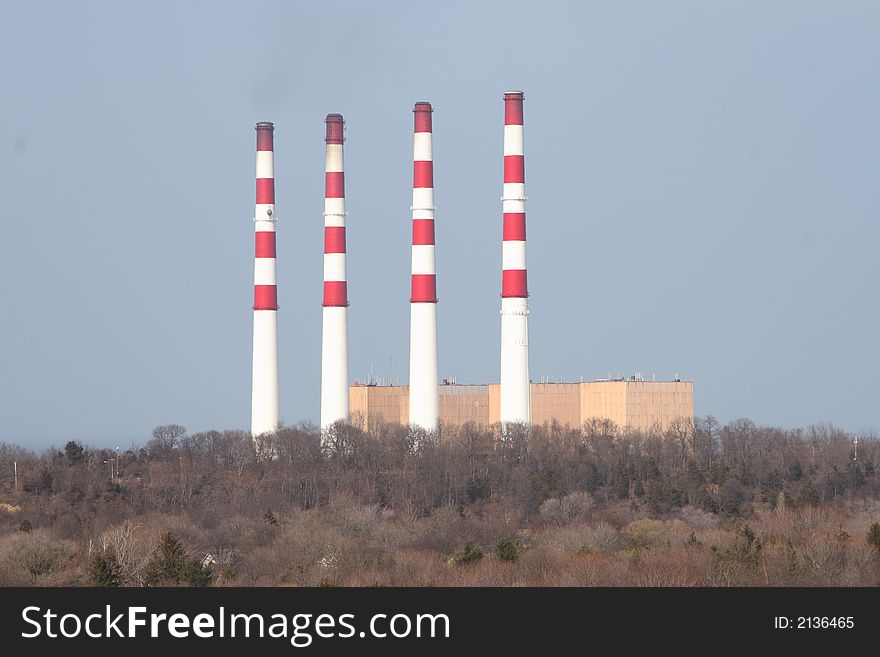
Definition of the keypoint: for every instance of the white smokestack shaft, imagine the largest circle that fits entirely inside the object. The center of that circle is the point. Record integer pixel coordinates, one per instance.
(515, 403)
(424, 395)
(334, 351)
(265, 398)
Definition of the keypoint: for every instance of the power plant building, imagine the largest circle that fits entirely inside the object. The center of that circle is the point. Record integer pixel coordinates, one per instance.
(630, 403)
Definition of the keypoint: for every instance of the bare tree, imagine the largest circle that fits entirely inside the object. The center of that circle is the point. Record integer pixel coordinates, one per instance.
(165, 438)
(122, 542)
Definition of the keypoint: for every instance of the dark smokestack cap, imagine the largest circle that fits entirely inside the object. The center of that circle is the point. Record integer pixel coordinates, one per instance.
(335, 126)
(513, 107)
(422, 111)
(264, 135)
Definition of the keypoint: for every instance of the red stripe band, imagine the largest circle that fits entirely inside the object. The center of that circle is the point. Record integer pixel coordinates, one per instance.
(334, 239)
(514, 168)
(513, 283)
(266, 190)
(334, 184)
(513, 109)
(265, 297)
(423, 173)
(264, 136)
(265, 241)
(424, 288)
(335, 293)
(423, 231)
(515, 226)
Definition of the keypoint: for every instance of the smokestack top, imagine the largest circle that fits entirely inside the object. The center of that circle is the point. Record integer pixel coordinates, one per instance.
(422, 111)
(335, 125)
(513, 107)
(264, 135)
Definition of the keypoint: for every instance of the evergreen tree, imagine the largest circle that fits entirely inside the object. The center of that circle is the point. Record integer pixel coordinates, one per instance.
(170, 565)
(74, 452)
(104, 569)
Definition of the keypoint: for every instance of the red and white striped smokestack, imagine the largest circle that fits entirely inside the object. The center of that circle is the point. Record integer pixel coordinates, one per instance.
(264, 401)
(424, 400)
(334, 353)
(515, 404)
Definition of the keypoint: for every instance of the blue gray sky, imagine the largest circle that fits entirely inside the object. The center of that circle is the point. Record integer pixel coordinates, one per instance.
(702, 181)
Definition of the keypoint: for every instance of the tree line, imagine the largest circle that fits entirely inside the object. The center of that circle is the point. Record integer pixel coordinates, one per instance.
(548, 476)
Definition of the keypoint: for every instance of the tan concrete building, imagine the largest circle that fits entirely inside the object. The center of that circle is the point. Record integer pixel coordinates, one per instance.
(369, 404)
(629, 403)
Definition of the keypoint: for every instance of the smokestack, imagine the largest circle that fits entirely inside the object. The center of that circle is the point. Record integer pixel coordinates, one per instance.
(515, 398)
(264, 400)
(424, 401)
(334, 353)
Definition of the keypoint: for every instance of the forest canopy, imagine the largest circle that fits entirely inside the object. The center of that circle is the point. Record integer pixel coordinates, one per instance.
(698, 504)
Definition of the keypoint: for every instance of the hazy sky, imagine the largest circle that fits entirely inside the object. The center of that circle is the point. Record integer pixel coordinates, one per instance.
(703, 183)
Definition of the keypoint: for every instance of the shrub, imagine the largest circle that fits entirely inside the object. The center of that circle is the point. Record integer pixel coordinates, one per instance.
(42, 560)
(469, 553)
(509, 549)
(37, 559)
(570, 508)
(648, 532)
(602, 537)
(194, 574)
(731, 496)
(874, 535)
(661, 496)
(698, 518)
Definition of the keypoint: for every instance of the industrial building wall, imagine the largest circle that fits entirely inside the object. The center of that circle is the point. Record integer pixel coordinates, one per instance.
(642, 405)
(556, 401)
(604, 400)
(460, 404)
(371, 405)
(650, 403)
(494, 403)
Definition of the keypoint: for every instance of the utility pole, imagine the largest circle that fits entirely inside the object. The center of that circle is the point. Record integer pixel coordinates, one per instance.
(15, 470)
